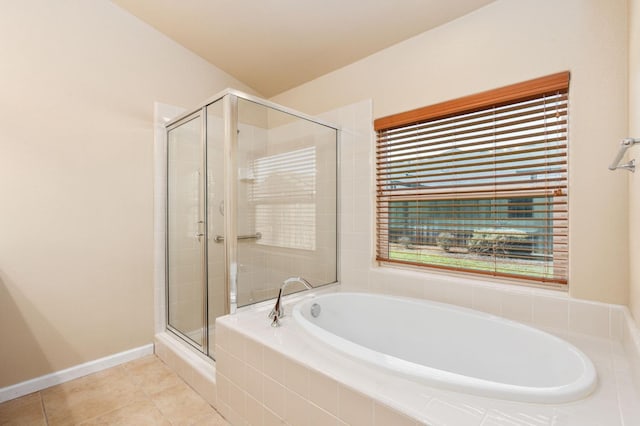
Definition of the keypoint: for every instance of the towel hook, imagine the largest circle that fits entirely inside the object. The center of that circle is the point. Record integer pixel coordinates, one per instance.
(625, 144)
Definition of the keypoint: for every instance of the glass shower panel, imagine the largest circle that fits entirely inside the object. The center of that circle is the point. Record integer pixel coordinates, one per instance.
(185, 230)
(286, 201)
(217, 289)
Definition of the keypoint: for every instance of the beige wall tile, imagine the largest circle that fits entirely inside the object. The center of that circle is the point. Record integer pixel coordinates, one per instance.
(383, 415)
(296, 378)
(274, 365)
(296, 411)
(589, 318)
(237, 398)
(323, 391)
(354, 408)
(551, 312)
(253, 382)
(254, 411)
(254, 354)
(274, 396)
(272, 419)
(517, 306)
(319, 417)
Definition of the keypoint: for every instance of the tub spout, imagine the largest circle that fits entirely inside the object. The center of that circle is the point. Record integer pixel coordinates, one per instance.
(278, 311)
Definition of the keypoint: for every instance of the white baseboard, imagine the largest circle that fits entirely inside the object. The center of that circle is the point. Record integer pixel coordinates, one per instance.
(43, 382)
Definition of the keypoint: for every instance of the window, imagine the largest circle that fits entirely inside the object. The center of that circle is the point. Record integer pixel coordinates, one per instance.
(283, 195)
(478, 184)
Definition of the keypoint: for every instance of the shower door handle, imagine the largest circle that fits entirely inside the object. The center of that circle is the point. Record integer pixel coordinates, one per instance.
(256, 236)
(199, 234)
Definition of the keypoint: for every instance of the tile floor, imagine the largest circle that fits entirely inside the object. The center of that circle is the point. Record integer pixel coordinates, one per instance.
(141, 392)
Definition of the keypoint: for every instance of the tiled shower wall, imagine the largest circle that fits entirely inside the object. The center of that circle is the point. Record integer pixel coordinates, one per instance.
(263, 265)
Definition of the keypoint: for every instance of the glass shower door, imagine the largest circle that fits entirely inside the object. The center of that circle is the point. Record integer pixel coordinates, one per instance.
(251, 201)
(286, 201)
(186, 233)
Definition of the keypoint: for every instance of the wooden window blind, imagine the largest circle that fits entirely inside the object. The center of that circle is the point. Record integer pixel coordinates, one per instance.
(478, 184)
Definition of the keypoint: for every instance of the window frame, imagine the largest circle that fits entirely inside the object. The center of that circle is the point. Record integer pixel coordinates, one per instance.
(504, 96)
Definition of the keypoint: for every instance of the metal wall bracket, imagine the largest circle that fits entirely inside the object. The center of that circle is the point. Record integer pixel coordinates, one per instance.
(624, 145)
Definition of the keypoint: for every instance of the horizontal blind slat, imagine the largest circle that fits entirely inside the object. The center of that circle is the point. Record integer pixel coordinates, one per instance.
(560, 102)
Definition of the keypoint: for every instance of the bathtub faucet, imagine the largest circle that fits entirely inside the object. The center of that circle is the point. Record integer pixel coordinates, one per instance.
(278, 310)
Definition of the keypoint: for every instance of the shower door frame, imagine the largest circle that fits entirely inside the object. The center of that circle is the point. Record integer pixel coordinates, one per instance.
(201, 232)
(229, 98)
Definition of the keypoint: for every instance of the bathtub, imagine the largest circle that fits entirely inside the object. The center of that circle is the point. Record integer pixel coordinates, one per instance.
(450, 347)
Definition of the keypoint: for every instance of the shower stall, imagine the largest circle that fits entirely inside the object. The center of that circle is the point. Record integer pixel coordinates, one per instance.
(251, 199)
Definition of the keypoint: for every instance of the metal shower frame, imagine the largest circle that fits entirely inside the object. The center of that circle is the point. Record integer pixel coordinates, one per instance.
(229, 98)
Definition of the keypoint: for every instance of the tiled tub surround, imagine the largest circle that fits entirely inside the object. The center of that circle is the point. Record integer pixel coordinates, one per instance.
(268, 375)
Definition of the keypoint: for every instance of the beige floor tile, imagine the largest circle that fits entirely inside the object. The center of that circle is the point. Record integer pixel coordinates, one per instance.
(151, 374)
(214, 419)
(181, 405)
(112, 377)
(142, 392)
(89, 397)
(26, 410)
(139, 413)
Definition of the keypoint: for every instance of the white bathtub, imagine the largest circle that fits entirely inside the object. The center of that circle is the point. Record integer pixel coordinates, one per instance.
(450, 347)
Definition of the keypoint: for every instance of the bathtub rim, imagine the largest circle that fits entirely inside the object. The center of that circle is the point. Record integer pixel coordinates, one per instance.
(572, 392)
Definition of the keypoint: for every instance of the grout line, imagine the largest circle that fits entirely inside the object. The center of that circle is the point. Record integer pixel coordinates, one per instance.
(44, 410)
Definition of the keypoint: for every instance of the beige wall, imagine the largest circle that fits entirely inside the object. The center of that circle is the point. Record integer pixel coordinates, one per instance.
(634, 178)
(507, 42)
(78, 80)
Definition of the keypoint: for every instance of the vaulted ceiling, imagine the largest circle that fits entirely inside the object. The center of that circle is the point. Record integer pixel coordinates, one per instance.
(275, 45)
